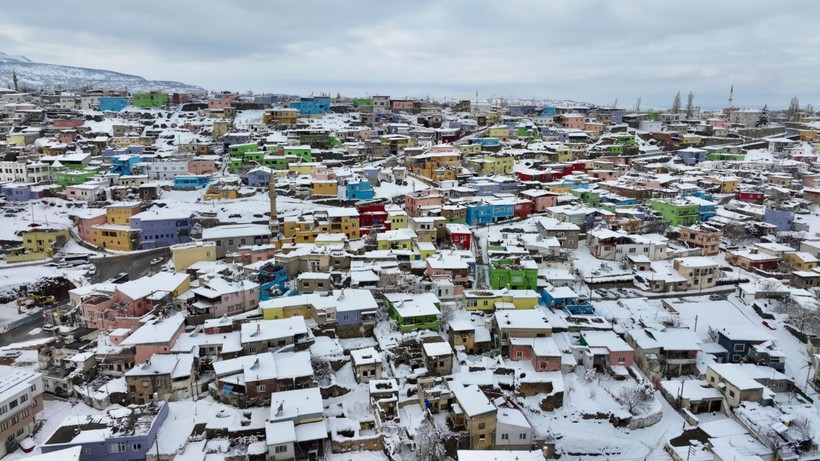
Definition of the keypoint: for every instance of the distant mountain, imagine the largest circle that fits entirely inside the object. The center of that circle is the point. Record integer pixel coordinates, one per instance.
(35, 75)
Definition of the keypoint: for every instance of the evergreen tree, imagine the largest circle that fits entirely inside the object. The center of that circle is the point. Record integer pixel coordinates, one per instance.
(676, 104)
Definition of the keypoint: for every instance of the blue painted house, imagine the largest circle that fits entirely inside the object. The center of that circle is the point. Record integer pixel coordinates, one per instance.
(360, 190)
(566, 299)
(744, 343)
(112, 103)
(316, 105)
(122, 434)
(272, 280)
(259, 177)
(163, 227)
(190, 181)
(486, 142)
(17, 192)
(783, 219)
(123, 164)
(692, 155)
(488, 212)
(548, 111)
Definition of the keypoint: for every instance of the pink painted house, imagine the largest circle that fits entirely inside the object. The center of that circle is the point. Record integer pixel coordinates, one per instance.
(605, 175)
(156, 336)
(606, 350)
(202, 165)
(323, 173)
(449, 267)
(573, 121)
(222, 103)
(542, 352)
(541, 199)
(254, 253)
(87, 218)
(413, 202)
(403, 105)
(217, 296)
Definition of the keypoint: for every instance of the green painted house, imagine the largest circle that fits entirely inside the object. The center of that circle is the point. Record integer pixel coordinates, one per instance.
(676, 212)
(515, 274)
(303, 152)
(149, 99)
(69, 177)
(591, 197)
(414, 311)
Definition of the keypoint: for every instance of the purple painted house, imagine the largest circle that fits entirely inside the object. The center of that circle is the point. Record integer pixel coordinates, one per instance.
(19, 192)
(162, 227)
(783, 219)
(117, 435)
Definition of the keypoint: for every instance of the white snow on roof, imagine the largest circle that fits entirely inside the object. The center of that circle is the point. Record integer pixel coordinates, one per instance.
(160, 330)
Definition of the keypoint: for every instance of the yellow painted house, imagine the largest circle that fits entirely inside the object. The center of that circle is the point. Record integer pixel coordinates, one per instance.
(559, 187)
(499, 131)
(490, 300)
(303, 168)
(120, 214)
(398, 219)
(470, 149)
(489, 164)
(563, 154)
(43, 240)
(728, 184)
(399, 239)
(39, 244)
(325, 188)
(800, 260)
(184, 255)
(115, 237)
(425, 249)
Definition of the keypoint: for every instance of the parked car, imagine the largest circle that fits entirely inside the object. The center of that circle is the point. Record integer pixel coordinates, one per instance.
(10, 354)
(156, 261)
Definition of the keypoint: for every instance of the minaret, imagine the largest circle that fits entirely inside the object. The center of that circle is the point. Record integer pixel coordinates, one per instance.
(731, 94)
(14, 79)
(274, 218)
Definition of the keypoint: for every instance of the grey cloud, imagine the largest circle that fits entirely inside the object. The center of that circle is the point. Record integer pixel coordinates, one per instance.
(585, 49)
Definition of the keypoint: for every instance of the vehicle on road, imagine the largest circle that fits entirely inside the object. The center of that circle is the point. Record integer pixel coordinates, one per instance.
(76, 260)
(91, 271)
(156, 260)
(10, 354)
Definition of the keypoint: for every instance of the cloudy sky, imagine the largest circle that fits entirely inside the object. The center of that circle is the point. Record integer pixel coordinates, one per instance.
(585, 50)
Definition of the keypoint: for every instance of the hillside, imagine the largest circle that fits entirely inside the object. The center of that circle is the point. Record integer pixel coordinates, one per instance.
(34, 75)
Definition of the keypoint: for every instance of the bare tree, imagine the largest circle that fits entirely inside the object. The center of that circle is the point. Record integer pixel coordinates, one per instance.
(803, 426)
(737, 233)
(635, 397)
(690, 106)
(447, 313)
(322, 371)
(793, 112)
(429, 442)
(676, 103)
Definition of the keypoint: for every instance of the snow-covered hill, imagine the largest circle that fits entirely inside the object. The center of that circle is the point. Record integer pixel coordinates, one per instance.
(36, 75)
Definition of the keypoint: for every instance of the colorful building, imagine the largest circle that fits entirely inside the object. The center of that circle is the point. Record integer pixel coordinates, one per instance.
(676, 212)
(152, 99)
(514, 274)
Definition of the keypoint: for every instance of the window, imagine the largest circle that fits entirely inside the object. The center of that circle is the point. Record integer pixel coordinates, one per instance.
(281, 449)
(481, 425)
(731, 393)
(505, 436)
(522, 436)
(136, 447)
(260, 388)
(621, 359)
(740, 347)
(519, 354)
(116, 447)
(13, 404)
(23, 398)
